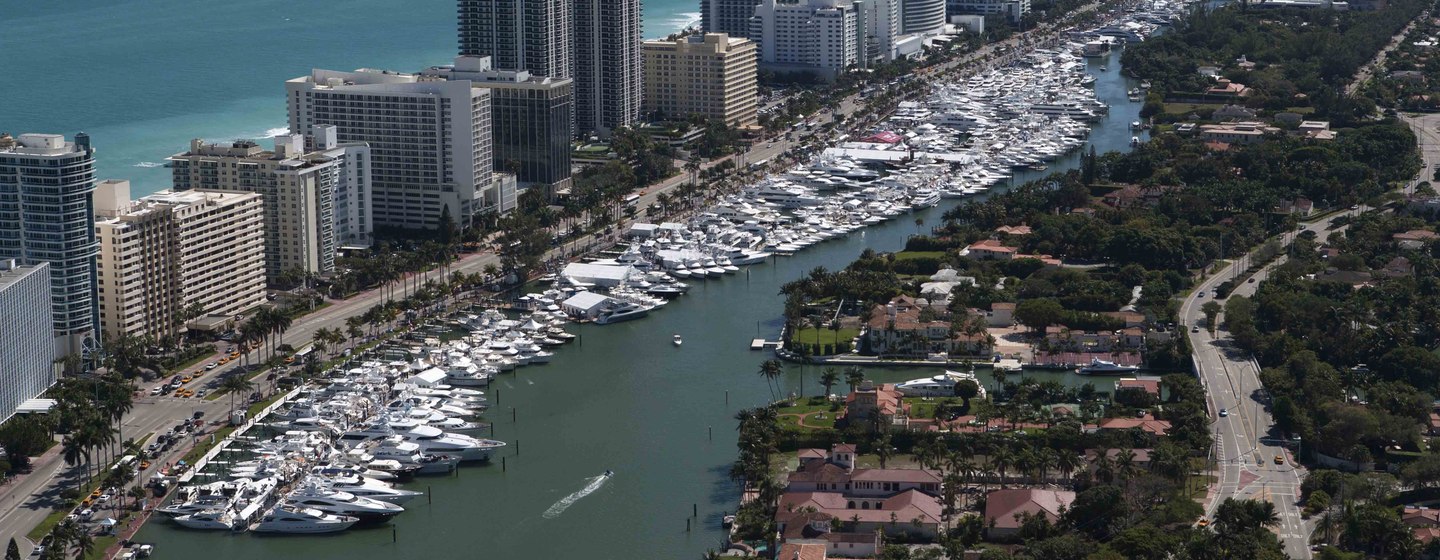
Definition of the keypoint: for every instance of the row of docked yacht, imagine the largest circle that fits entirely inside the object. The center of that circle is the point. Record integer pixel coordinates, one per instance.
(342, 446)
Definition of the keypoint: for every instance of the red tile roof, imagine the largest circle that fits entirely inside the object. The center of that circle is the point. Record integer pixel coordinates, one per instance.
(1001, 506)
(806, 551)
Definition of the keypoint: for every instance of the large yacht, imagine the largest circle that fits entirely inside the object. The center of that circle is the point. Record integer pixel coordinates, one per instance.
(292, 519)
(1101, 367)
(217, 519)
(330, 500)
(942, 385)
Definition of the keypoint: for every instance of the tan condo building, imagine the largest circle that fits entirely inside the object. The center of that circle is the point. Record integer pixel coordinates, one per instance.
(316, 201)
(712, 75)
(174, 252)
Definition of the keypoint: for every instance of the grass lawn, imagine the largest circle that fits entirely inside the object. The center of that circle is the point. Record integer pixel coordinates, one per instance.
(925, 408)
(1185, 108)
(813, 335)
(904, 255)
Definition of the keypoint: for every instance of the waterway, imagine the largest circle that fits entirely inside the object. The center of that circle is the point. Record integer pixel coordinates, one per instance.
(625, 399)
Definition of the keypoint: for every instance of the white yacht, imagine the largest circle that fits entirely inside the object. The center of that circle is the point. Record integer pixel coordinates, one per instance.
(374, 489)
(1101, 367)
(217, 519)
(942, 385)
(330, 500)
(677, 340)
(292, 519)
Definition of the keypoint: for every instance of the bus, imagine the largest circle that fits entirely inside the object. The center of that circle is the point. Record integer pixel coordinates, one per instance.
(631, 200)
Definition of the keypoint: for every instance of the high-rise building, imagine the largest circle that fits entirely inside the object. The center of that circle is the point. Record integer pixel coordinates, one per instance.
(608, 77)
(315, 201)
(531, 119)
(1013, 10)
(171, 252)
(46, 217)
(430, 141)
(731, 17)
(27, 347)
(817, 36)
(533, 35)
(711, 75)
(922, 17)
(879, 25)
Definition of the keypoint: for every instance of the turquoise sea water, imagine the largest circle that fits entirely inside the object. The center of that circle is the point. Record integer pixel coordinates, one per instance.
(143, 77)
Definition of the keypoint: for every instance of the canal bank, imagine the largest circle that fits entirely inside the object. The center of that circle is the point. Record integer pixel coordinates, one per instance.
(624, 398)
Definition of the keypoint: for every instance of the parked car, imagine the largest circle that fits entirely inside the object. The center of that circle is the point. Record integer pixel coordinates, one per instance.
(1224, 413)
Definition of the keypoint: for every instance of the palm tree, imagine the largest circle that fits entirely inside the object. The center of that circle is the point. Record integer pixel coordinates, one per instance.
(854, 376)
(771, 370)
(74, 452)
(83, 544)
(883, 449)
(829, 378)
(1002, 458)
(235, 384)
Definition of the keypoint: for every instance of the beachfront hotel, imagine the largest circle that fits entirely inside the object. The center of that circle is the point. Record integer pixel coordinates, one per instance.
(46, 217)
(166, 252)
(430, 141)
(27, 347)
(713, 75)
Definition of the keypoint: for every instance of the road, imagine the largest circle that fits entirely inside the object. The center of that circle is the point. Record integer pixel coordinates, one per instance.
(1247, 443)
(1363, 74)
(1427, 132)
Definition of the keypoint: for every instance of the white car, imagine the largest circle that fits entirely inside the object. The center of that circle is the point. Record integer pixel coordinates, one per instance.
(156, 391)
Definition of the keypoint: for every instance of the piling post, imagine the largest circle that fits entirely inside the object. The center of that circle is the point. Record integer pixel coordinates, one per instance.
(687, 524)
(429, 493)
(727, 397)
(502, 464)
(517, 447)
(394, 534)
(710, 431)
(694, 509)
(512, 415)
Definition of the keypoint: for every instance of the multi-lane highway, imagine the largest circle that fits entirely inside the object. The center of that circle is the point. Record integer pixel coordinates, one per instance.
(1252, 460)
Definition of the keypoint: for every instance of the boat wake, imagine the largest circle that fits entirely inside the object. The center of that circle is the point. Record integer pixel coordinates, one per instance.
(594, 484)
(149, 164)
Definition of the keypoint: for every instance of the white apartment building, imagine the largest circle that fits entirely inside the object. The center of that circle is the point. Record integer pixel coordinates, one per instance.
(46, 217)
(27, 345)
(315, 201)
(819, 36)
(880, 30)
(711, 74)
(165, 252)
(1013, 10)
(430, 140)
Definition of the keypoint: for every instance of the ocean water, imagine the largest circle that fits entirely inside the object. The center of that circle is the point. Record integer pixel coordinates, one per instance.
(143, 77)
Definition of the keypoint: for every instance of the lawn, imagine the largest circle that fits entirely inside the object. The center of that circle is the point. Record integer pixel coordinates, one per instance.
(813, 335)
(1186, 108)
(905, 255)
(925, 408)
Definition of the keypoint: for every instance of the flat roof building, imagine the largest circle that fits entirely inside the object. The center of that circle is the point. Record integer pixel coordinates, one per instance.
(817, 36)
(46, 217)
(173, 256)
(533, 35)
(315, 201)
(731, 17)
(430, 140)
(27, 345)
(713, 75)
(532, 119)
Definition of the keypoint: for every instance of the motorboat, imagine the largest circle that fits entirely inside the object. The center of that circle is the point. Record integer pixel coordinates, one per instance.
(338, 502)
(1101, 367)
(677, 340)
(293, 519)
(217, 519)
(622, 311)
(373, 489)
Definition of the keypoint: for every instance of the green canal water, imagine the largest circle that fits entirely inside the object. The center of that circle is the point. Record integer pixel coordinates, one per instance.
(623, 399)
